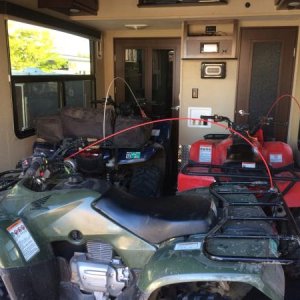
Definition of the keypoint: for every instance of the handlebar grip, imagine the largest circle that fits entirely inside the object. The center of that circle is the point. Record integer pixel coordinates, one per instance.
(217, 118)
(34, 166)
(207, 117)
(254, 129)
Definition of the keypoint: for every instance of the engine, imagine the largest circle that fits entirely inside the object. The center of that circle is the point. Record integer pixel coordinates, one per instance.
(98, 272)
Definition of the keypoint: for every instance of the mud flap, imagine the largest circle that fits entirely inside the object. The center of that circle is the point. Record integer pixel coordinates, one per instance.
(40, 281)
(188, 264)
(27, 266)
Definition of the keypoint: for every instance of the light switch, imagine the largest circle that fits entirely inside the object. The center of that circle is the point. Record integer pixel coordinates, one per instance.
(194, 93)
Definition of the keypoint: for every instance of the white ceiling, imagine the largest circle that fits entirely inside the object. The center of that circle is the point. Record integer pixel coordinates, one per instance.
(112, 22)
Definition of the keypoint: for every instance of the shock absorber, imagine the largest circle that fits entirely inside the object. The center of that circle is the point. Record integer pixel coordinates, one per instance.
(110, 165)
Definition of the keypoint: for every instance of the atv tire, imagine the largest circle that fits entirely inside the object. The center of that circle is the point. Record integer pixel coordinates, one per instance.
(3, 291)
(292, 271)
(202, 295)
(145, 182)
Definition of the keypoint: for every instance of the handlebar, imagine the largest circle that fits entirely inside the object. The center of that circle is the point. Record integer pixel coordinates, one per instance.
(217, 118)
(36, 163)
(259, 124)
(252, 131)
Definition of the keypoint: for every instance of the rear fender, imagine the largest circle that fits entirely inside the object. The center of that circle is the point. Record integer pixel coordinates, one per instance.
(169, 266)
(188, 182)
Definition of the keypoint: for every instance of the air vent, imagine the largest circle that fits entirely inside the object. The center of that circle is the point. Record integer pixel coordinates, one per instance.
(71, 7)
(99, 251)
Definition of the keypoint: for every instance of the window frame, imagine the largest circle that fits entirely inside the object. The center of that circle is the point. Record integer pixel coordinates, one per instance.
(60, 79)
(18, 13)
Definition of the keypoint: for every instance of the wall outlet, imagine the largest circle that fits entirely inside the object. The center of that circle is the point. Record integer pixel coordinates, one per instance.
(194, 115)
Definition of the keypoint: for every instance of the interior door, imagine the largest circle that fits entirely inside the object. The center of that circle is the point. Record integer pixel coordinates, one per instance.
(266, 70)
(151, 67)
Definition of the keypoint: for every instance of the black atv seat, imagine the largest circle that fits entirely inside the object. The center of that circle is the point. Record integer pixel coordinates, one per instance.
(158, 219)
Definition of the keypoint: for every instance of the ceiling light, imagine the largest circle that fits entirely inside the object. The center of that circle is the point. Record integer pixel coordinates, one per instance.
(294, 4)
(74, 10)
(136, 26)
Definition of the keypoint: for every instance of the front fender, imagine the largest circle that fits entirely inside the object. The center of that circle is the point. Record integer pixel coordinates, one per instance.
(168, 266)
(11, 255)
(27, 268)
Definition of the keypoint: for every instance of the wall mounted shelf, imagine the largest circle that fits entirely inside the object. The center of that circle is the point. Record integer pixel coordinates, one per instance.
(210, 39)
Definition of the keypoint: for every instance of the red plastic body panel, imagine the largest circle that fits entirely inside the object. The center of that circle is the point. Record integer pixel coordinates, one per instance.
(278, 154)
(210, 151)
(292, 197)
(259, 135)
(188, 182)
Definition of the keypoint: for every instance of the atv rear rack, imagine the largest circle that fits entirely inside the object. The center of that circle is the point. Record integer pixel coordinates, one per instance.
(251, 228)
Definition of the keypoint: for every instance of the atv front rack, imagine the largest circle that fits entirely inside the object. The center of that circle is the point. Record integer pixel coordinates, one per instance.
(256, 225)
(221, 173)
(9, 178)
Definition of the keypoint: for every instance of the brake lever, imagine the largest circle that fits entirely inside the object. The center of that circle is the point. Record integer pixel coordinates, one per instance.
(243, 113)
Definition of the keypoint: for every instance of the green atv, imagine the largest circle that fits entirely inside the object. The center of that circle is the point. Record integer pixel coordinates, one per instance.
(68, 237)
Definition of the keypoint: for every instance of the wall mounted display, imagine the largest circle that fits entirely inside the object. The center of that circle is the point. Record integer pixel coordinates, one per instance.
(215, 70)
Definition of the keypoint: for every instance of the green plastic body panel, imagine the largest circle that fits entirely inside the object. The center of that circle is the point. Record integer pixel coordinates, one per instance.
(169, 266)
(53, 215)
(10, 254)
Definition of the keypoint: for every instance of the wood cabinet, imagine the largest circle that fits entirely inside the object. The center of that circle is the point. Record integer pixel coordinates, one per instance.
(71, 7)
(150, 3)
(210, 39)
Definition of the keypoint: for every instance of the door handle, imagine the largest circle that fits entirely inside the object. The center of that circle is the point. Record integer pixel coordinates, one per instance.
(243, 113)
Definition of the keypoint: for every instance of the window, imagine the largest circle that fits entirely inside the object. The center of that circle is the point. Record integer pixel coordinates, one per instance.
(50, 69)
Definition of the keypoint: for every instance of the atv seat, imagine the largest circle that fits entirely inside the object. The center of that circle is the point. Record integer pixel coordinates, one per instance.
(158, 219)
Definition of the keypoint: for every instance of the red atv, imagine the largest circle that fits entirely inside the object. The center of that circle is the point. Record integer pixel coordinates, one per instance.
(232, 158)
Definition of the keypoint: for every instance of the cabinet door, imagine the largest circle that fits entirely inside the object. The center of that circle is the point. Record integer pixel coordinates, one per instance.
(266, 72)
